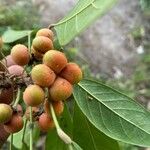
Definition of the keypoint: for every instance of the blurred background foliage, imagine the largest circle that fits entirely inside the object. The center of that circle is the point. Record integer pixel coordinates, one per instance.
(22, 15)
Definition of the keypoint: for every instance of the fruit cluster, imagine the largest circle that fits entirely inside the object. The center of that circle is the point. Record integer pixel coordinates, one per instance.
(52, 80)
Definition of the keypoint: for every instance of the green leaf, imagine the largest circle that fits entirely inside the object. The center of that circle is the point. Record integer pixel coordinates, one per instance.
(53, 142)
(83, 14)
(87, 133)
(113, 113)
(12, 35)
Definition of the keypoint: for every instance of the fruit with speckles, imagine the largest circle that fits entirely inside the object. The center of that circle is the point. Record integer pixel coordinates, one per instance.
(33, 95)
(72, 73)
(20, 54)
(45, 32)
(42, 75)
(60, 90)
(42, 44)
(55, 60)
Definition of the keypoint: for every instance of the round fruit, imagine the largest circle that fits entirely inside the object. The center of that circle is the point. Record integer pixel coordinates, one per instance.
(5, 113)
(42, 75)
(55, 60)
(16, 70)
(8, 61)
(1, 42)
(20, 54)
(58, 107)
(33, 95)
(45, 32)
(35, 111)
(60, 90)
(15, 124)
(6, 95)
(72, 73)
(45, 122)
(42, 44)
(36, 54)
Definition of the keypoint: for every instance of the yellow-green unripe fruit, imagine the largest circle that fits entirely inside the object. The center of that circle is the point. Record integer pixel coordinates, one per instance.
(5, 113)
(42, 75)
(42, 44)
(60, 90)
(72, 73)
(55, 60)
(20, 54)
(45, 32)
(33, 95)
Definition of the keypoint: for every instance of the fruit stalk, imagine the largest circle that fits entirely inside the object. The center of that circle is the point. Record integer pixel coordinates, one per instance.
(11, 142)
(31, 130)
(63, 136)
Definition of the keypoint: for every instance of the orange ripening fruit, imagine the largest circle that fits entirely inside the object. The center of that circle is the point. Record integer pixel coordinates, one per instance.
(5, 113)
(45, 32)
(72, 73)
(55, 60)
(42, 75)
(42, 44)
(58, 107)
(60, 90)
(45, 122)
(33, 95)
(37, 55)
(20, 54)
(15, 124)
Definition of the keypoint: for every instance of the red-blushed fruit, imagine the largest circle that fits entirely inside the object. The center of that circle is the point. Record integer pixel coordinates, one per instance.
(1, 42)
(5, 113)
(8, 61)
(16, 70)
(58, 107)
(72, 73)
(20, 54)
(33, 95)
(37, 55)
(45, 32)
(15, 124)
(35, 111)
(45, 122)
(55, 60)
(6, 95)
(42, 75)
(60, 90)
(42, 44)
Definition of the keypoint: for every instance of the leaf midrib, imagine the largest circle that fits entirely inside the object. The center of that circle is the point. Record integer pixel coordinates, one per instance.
(67, 19)
(112, 109)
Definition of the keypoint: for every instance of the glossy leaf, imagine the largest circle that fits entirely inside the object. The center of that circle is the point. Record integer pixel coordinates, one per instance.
(83, 14)
(113, 113)
(13, 35)
(88, 137)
